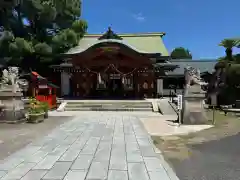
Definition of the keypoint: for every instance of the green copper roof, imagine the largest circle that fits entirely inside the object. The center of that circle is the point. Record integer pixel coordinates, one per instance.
(52, 85)
(142, 43)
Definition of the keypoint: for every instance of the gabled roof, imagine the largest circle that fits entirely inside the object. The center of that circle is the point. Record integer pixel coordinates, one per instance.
(109, 35)
(39, 77)
(202, 65)
(165, 66)
(149, 43)
(50, 84)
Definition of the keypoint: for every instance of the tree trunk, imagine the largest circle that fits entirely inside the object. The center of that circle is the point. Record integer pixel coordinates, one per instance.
(19, 16)
(228, 52)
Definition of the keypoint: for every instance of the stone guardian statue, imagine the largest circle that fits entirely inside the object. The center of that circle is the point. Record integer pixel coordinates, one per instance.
(11, 95)
(193, 108)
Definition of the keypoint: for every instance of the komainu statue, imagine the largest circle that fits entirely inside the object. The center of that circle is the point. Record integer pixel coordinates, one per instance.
(11, 79)
(193, 106)
(10, 95)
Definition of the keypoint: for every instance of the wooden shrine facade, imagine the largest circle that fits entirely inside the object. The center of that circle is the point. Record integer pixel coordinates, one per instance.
(108, 69)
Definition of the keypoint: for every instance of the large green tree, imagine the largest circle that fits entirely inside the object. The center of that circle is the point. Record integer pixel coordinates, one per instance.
(35, 32)
(181, 53)
(226, 78)
(228, 44)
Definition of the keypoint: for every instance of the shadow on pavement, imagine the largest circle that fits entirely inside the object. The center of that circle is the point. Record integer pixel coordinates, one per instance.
(214, 160)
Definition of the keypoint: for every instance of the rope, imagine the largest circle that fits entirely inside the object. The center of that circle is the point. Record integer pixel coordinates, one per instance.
(111, 65)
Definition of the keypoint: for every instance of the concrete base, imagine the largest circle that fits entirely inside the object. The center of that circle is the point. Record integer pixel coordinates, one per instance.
(193, 106)
(194, 118)
(194, 112)
(12, 109)
(9, 116)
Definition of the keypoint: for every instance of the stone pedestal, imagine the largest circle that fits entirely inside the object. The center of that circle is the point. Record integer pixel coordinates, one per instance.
(193, 108)
(12, 107)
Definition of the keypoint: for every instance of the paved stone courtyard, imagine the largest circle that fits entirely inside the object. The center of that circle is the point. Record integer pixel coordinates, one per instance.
(14, 137)
(93, 146)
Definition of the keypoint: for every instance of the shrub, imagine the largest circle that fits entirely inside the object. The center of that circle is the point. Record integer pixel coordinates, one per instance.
(35, 106)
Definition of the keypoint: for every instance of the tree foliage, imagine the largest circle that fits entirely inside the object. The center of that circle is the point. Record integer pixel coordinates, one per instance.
(34, 30)
(181, 53)
(228, 44)
(226, 78)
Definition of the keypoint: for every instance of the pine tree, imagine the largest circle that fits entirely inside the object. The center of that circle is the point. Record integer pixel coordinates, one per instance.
(34, 32)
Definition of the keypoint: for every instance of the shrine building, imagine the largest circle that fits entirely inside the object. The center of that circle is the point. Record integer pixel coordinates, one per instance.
(114, 65)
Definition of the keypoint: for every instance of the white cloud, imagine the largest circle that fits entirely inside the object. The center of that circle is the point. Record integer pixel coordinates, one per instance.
(139, 17)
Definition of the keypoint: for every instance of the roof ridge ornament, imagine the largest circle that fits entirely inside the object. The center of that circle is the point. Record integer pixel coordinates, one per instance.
(109, 35)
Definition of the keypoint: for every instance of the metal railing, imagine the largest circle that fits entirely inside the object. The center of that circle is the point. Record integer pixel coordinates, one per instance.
(172, 100)
(173, 94)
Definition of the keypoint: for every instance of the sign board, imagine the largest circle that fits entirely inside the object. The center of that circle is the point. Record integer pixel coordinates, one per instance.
(108, 48)
(179, 102)
(213, 99)
(42, 86)
(160, 86)
(115, 76)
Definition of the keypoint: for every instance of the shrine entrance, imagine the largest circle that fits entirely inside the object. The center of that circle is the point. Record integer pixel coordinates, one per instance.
(115, 86)
(111, 83)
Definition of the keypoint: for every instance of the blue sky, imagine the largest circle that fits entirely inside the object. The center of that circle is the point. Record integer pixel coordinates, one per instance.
(196, 25)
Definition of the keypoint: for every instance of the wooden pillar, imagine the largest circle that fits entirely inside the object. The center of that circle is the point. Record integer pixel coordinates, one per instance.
(33, 91)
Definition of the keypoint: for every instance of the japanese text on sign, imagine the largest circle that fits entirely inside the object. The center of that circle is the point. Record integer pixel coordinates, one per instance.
(179, 102)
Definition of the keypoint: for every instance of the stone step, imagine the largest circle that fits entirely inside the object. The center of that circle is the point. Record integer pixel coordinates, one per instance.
(110, 105)
(107, 102)
(106, 109)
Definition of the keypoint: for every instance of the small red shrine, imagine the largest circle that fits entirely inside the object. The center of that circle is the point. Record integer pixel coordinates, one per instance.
(42, 90)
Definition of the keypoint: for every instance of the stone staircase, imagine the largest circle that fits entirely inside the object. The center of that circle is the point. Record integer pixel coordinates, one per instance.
(108, 105)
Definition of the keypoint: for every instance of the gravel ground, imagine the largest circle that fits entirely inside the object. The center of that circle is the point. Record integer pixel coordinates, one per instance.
(214, 160)
(15, 136)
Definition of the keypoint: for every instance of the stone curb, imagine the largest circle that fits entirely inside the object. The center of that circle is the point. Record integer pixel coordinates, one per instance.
(172, 175)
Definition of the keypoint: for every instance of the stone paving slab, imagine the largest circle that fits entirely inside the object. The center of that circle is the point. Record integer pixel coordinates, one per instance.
(2, 173)
(58, 171)
(76, 175)
(102, 146)
(117, 175)
(34, 174)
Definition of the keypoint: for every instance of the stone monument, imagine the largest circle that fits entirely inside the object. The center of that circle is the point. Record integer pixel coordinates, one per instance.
(193, 107)
(12, 106)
